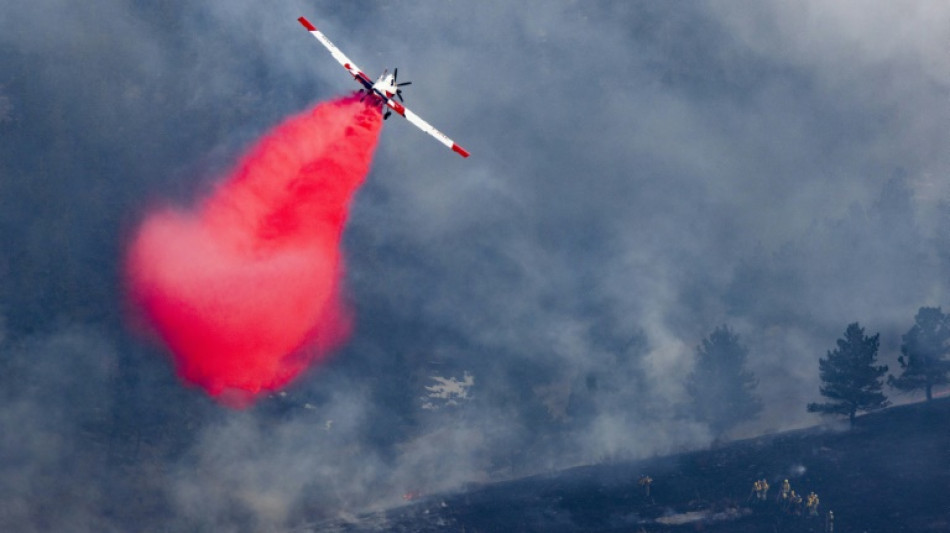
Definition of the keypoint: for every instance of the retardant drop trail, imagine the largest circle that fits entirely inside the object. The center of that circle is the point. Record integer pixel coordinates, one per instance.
(246, 292)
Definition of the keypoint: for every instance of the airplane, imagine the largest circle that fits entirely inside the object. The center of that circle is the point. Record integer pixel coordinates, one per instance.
(383, 90)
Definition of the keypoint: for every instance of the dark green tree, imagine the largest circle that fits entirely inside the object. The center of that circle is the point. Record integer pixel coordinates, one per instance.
(924, 353)
(851, 380)
(721, 389)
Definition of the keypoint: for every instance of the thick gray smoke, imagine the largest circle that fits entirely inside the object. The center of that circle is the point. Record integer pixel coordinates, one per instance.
(641, 173)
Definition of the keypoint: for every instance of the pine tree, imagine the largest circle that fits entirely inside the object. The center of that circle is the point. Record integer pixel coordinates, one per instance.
(851, 380)
(722, 390)
(923, 353)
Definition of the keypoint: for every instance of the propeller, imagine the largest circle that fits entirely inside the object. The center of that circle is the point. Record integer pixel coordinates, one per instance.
(403, 84)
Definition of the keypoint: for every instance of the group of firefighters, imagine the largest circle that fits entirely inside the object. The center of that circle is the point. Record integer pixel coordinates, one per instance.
(792, 502)
(789, 501)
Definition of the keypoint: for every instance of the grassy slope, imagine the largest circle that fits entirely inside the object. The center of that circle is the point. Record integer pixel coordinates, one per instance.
(891, 473)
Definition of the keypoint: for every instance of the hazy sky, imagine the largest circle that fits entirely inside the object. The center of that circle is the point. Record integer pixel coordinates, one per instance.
(641, 173)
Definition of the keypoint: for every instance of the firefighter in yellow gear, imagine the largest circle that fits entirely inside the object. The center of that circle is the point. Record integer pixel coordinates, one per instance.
(761, 489)
(812, 504)
(784, 493)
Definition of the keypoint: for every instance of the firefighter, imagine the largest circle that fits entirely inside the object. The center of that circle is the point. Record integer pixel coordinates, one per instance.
(760, 488)
(794, 503)
(645, 482)
(812, 504)
(784, 492)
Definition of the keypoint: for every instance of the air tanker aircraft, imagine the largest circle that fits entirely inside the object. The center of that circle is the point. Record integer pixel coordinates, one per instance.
(383, 91)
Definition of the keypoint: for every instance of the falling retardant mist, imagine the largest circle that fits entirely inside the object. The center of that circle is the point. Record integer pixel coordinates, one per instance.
(245, 290)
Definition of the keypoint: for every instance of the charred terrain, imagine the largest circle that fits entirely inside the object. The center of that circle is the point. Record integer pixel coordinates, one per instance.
(889, 473)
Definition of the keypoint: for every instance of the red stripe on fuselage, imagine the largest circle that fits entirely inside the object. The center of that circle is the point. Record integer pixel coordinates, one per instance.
(397, 107)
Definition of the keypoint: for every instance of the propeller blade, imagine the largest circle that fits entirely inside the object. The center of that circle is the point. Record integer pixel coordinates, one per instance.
(403, 83)
(399, 95)
(395, 74)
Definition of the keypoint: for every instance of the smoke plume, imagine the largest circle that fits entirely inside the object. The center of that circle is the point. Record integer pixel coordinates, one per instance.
(245, 291)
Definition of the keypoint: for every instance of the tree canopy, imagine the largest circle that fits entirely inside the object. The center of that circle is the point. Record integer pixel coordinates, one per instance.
(850, 378)
(721, 389)
(924, 353)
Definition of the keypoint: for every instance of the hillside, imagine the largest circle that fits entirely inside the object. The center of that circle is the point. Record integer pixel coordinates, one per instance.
(890, 473)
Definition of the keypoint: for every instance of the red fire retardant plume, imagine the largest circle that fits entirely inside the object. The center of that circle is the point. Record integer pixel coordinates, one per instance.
(245, 292)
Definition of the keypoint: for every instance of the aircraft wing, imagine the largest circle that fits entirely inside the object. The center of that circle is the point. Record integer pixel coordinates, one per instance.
(425, 126)
(337, 54)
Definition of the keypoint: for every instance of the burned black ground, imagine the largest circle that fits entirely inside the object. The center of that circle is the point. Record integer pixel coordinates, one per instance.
(890, 473)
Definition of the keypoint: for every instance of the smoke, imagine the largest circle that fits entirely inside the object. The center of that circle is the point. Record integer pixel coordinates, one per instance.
(684, 168)
(245, 292)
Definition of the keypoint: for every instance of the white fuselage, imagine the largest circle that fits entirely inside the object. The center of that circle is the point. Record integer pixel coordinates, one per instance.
(385, 85)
